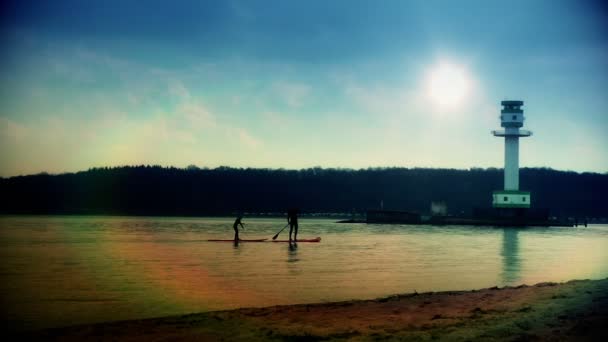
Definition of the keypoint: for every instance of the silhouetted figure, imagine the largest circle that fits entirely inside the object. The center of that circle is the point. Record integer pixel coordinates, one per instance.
(292, 220)
(236, 228)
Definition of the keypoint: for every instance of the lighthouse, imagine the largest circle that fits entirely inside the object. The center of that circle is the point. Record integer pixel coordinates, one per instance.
(512, 119)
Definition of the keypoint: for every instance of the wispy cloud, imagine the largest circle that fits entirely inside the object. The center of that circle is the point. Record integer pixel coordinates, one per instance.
(244, 137)
(177, 88)
(277, 120)
(11, 131)
(196, 116)
(292, 93)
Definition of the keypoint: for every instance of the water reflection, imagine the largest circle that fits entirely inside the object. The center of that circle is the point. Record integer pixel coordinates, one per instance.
(293, 265)
(511, 263)
(292, 253)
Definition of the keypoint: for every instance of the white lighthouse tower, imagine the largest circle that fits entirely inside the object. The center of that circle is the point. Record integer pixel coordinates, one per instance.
(511, 118)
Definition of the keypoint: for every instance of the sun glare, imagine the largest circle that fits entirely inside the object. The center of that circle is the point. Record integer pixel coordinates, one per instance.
(448, 85)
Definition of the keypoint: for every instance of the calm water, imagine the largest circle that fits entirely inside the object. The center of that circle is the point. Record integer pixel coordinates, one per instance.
(68, 270)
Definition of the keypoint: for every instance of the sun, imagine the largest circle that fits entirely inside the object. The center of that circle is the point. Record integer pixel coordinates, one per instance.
(448, 85)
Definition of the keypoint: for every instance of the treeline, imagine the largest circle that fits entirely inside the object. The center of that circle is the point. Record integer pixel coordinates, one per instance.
(155, 190)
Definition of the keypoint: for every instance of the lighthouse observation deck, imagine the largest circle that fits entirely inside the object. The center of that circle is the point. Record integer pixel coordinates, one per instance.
(514, 133)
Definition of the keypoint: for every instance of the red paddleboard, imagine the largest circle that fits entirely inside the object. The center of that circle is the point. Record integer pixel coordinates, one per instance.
(254, 240)
(317, 239)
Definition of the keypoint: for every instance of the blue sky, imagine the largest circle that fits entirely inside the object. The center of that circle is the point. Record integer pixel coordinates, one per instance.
(297, 84)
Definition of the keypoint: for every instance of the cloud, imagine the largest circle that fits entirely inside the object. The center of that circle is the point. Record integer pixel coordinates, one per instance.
(568, 58)
(196, 116)
(47, 144)
(133, 99)
(384, 101)
(192, 119)
(293, 94)
(177, 88)
(74, 73)
(277, 120)
(243, 137)
(11, 131)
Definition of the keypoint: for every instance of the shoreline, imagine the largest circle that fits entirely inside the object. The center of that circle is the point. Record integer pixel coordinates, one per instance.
(573, 310)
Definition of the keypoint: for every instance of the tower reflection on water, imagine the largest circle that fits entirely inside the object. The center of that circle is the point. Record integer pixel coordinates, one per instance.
(511, 261)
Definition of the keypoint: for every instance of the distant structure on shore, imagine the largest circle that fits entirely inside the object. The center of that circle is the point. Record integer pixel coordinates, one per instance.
(511, 118)
(511, 206)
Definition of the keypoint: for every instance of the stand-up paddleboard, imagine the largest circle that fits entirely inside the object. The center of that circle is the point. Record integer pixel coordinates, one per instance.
(317, 239)
(232, 240)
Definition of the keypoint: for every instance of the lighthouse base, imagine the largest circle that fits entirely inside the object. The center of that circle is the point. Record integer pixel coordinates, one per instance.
(515, 217)
(511, 199)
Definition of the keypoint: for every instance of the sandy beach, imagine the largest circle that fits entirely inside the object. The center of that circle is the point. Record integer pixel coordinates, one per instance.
(576, 310)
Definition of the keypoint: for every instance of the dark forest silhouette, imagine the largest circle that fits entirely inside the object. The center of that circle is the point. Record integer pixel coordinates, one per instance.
(155, 190)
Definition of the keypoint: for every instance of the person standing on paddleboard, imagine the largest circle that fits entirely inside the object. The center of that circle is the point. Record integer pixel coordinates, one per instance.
(236, 227)
(292, 220)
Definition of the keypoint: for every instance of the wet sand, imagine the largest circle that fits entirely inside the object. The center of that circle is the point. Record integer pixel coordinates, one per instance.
(576, 310)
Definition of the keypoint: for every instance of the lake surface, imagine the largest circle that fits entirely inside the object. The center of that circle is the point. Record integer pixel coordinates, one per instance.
(64, 270)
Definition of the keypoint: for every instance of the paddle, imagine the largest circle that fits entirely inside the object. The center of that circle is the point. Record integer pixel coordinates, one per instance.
(276, 236)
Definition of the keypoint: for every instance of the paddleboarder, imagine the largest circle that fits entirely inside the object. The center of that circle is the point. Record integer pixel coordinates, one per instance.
(292, 220)
(236, 224)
